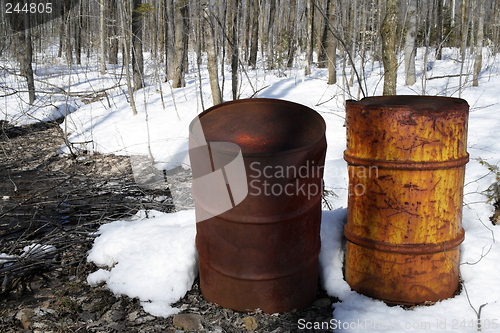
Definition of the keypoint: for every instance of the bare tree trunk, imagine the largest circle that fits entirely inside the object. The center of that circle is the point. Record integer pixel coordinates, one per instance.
(169, 39)
(322, 38)
(154, 34)
(463, 46)
(212, 58)
(181, 41)
(67, 31)
(354, 30)
(78, 35)
(198, 31)
(137, 56)
(310, 39)
(112, 32)
(291, 32)
(248, 34)
(126, 58)
(410, 49)
(362, 50)
(452, 15)
(479, 46)
(22, 26)
(270, 34)
(252, 61)
(439, 30)
(61, 33)
(102, 37)
(465, 25)
(232, 16)
(496, 25)
(389, 56)
(332, 44)
(427, 36)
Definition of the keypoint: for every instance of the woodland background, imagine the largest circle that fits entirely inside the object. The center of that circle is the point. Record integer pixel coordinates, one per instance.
(244, 34)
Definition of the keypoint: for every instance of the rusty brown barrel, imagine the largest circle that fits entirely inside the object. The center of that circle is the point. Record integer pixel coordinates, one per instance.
(406, 159)
(263, 251)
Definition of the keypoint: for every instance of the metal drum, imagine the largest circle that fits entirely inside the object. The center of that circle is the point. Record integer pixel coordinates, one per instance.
(406, 157)
(263, 252)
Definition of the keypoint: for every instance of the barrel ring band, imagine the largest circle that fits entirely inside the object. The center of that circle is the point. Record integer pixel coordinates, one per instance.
(405, 165)
(405, 248)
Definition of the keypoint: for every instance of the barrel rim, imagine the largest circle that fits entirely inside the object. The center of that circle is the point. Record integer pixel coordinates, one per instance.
(269, 100)
(377, 102)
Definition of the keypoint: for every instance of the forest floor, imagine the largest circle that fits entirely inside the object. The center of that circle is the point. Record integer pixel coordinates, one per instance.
(59, 201)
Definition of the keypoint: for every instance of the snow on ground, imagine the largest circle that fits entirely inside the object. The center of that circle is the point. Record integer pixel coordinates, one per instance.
(152, 257)
(159, 251)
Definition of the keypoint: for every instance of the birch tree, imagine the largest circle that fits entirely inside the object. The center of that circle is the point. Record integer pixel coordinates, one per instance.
(410, 49)
(479, 45)
(389, 56)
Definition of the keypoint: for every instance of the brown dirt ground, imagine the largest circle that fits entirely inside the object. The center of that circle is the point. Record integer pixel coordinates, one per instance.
(50, 198)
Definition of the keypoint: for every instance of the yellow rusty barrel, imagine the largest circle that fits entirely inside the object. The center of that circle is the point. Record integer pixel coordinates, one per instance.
(406, 159)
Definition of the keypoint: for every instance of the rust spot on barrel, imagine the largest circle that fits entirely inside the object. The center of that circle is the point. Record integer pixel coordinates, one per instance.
(263, 252)
(404, 229)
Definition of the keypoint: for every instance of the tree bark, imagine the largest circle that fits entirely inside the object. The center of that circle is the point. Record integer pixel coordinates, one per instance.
(291, 32)
(61, 33)
(29, 59)
(465, 25)
(310, 40)
(496, 25)
(389, 56)
(137, 55)
(102, 37)
(67, 31)
(126, 60)
(354, 29)
(322, 38)
(332, 44)
(410, 49)
(233, 6)
(463, 47)
(78, 35)
(270, 34)
(478, 61)
(23, 48)
(212, 58)
(169, 39)
(439, 30)
(181, 42)
(112, 32)
(252, 60)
